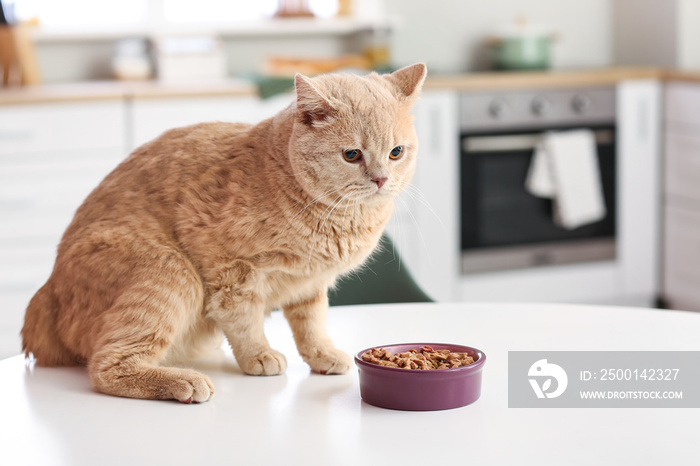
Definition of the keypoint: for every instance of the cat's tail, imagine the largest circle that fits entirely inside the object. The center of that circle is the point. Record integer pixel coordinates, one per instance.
(39, 333)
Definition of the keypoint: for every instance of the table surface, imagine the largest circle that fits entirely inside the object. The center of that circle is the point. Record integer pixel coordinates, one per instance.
(51, 416)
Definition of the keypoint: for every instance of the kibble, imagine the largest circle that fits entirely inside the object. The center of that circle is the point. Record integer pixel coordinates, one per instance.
(424, 358)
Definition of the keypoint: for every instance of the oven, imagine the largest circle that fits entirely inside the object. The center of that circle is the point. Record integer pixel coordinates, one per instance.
(503, 226)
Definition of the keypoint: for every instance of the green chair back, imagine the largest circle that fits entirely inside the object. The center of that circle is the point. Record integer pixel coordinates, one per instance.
(383, 279)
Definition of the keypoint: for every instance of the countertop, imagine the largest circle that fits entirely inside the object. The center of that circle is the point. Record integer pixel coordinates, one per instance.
(52, 416)
(100, 90)
(236, 87)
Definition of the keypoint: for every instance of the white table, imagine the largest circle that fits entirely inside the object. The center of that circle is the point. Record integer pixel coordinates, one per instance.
(52, 416)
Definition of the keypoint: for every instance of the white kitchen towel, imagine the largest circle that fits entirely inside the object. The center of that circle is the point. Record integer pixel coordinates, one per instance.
(565, 168)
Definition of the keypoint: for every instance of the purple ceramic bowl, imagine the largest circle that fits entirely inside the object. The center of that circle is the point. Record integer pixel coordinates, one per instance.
(421, 390)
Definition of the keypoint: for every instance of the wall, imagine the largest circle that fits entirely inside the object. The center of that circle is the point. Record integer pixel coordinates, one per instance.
(447, 34)
(636, 21)
(690, 34)
(66, 61)
(75, 60)
(657, 33)
(450, 34)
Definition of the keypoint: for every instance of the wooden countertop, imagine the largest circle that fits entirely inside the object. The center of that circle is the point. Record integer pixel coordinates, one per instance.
(678, 75)
(463, 82)
(542, 79)
(105, 90)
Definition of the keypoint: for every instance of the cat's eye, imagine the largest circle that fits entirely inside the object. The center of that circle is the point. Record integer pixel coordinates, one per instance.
(396, 153)
(352, 155)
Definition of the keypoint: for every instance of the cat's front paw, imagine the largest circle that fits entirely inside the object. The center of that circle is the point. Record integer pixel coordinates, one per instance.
(328, 361)
(268, 362)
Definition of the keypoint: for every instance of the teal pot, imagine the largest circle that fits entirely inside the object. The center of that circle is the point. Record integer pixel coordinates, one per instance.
(522, 50)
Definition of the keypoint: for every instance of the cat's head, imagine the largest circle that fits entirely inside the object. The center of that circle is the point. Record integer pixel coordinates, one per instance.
(353, 136)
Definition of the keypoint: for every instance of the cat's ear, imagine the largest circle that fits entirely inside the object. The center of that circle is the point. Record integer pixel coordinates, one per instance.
(313, 108)
(409, 80)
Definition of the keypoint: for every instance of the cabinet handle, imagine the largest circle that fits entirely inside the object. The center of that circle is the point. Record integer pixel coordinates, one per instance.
(643, 120)
(435, 122)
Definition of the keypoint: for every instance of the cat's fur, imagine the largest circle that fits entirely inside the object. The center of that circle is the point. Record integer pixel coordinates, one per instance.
(204, 230)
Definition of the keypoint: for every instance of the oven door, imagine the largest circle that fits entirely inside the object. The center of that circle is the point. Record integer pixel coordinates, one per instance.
(503, 226)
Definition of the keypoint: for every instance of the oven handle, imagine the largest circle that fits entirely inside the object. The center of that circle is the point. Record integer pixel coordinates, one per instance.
(510, 142)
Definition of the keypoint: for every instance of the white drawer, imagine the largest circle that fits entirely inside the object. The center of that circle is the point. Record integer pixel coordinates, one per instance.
(682, 256)
(26, 268)
(38, 198)
(31, 188)
(39, 225)
(683, 103)
(682, 176)
(57, 126)
(59, 176)
(152, 117)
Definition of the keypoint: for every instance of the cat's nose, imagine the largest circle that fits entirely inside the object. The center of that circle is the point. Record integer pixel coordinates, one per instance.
(380, 181)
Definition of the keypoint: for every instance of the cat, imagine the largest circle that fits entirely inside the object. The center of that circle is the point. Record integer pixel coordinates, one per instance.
(203, 231)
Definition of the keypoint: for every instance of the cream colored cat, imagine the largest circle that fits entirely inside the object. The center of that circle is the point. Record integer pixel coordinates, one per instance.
(205, 230)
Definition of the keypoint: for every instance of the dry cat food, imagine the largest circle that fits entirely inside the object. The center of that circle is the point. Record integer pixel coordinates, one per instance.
(424, 358)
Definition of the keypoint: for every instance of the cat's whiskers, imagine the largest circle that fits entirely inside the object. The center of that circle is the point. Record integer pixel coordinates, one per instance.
(415, 221)
(398, 240)
(333, 208)
(330, 212)
(345, 212)
(414, 193)
(356, 218)
(349, 224)
(315, 200)
(325, 216)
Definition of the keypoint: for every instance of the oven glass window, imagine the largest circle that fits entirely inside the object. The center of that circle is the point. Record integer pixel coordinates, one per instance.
(497, 210)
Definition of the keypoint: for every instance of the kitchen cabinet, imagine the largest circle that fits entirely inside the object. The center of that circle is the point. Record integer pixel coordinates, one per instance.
(425, 221)
(51, 156)
(150, 116)
(681, 272)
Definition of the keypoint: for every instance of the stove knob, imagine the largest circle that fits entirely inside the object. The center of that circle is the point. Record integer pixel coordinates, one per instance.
(540, 106)
(498, 108)
(581, 103)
